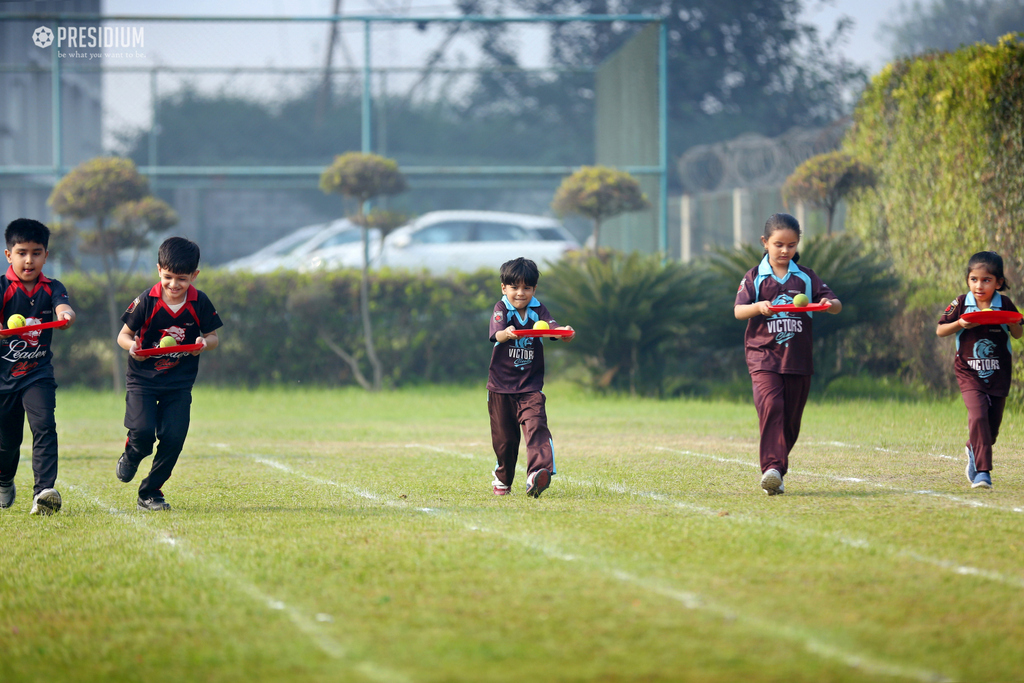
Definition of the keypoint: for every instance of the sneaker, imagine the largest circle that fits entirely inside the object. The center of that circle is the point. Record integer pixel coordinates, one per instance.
(970, 471)
(982, 480)
(500, 490)
(46, 503)
(126, 469)
(7, 493)
(771, 482)
(154, 502)
(537, 482)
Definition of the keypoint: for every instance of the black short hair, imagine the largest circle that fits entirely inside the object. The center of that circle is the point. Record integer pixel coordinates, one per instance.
(990, 261)
(520, 270)
(179, 256)
(22, 230)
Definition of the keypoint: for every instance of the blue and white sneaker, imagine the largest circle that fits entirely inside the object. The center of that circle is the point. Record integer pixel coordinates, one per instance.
(771, 482)
(971, 472)
(982, 480)
(7, 493)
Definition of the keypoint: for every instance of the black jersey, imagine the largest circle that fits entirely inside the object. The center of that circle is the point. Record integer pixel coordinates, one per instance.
(25, 358)
(150, 319)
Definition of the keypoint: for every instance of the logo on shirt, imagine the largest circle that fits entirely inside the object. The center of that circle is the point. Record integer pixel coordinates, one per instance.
(31, 338)
(174, 331)
(784, 325)
(497, 316)
(132, 305)
(983, 362)
(951, 306)
(521, 353)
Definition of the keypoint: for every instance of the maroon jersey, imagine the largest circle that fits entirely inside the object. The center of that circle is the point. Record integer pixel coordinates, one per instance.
(783, 342)
(517, 366)
(150, 319)
(983, 360)
(25, 358)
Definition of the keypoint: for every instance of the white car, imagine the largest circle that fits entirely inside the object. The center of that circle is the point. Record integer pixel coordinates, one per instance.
(466, 241)
(292, 252)
(343, 249)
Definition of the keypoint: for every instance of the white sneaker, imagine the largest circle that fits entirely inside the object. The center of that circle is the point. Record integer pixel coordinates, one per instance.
(7, 493)
(771, 482)
(46, 503)
(971, 472)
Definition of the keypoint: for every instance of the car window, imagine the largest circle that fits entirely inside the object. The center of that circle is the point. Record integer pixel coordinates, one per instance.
(345, 237)
(499, 232)
(443, 233)
(550, 234)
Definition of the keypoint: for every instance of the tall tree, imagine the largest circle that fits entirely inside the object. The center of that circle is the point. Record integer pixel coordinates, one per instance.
(734, 65)
(947, 24)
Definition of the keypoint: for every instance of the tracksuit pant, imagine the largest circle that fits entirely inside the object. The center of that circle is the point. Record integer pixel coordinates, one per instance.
(156, 416)
(780, 401)
(509, 414)
(984, 415)
(38, 401)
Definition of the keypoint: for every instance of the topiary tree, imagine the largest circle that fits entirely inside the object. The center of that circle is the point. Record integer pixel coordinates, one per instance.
(360, 177)
(824, 180)
(599, 193)
(109, 192)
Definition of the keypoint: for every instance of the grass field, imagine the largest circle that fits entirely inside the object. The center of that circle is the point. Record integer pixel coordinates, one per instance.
(336, 536)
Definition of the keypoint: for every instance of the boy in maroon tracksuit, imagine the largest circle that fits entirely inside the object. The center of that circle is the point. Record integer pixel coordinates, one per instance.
(983, 362)
(27, 385)
(515, 380)
(779, 344)
(159, 397)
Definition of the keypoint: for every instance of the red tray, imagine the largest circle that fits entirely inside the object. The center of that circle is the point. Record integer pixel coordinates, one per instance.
(992, 317)
(183, 348)
(544, 333)
(790, 308)
(32, 328)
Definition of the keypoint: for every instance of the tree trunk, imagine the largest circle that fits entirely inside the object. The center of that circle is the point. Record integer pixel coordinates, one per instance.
(828, 220)
(597, 233)
(112, 317)
(364, 306)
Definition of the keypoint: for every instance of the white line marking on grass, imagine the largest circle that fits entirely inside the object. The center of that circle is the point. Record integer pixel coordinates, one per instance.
(970, 502)
(214, 566)
(688, 599)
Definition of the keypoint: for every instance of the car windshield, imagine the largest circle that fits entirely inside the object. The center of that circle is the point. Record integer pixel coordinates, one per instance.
(345, 237)
(443, 233)
(499, 232)
(550, 234)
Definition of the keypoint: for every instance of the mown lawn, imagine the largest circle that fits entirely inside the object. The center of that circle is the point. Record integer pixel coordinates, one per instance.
(334, 535)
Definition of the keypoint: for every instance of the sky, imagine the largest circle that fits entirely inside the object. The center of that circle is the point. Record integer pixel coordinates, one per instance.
(127, 94)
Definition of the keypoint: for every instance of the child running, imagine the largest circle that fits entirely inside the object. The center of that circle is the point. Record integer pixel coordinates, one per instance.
(779, 345)
(983, 363)
(159, 398)
(515, 380)
(27, 384)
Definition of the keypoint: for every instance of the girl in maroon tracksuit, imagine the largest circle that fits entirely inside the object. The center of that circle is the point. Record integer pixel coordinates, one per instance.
(779, 345)
(983, 362)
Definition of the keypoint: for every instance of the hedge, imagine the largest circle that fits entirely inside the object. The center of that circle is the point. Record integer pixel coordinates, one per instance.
(427, 329)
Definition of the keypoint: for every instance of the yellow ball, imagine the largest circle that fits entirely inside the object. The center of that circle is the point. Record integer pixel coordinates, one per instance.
(541, 325)
(801, 300)
(16, 320)
(168, 341)
(986, 309)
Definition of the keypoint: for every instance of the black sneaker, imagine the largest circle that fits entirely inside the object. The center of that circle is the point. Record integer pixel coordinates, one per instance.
(154, 502)
(537, 483)
(126, 469)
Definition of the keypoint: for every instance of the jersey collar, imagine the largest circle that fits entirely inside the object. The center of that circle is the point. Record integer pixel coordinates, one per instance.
(191, 295)
(765, 269)
(13, 277)
(512, 309)
(996, 303)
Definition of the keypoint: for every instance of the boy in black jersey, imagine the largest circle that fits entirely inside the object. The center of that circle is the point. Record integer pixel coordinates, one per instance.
(159, 393)
(27, 386)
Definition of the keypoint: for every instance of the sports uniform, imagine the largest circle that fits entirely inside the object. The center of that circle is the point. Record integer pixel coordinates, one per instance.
(514, 397)
(27, 384)
(983, 366)
(159, 395)
(779, 355)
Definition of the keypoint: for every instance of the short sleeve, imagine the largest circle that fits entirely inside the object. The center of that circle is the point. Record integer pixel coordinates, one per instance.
(819, 290)
(497, 320)
(59, 295)
(1008, 305)
(544, 314)
(952, 312)
(135, 315)
(746, 294)
(209, 320)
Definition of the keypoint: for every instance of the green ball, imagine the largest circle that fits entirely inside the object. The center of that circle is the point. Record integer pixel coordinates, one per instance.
(801, 300)
(16, 320)
(168, 341)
